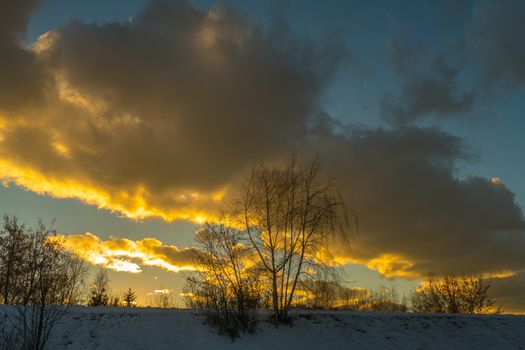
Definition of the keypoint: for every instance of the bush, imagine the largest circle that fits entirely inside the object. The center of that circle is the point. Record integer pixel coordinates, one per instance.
(450, 294)
(225, 286)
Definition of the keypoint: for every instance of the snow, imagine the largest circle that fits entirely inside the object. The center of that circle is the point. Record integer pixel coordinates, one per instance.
(151, 328)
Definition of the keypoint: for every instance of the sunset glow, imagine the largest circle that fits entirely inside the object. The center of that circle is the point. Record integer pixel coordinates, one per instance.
(127, 127)
(120, 254)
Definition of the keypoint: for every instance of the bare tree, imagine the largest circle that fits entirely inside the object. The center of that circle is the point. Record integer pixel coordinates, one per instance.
(13, 244)
(450, 294)
(320, 294)
(330, 294)
(226, 285)
(289, 215)
(164, 299)
(47, 282)
(115, 301)
(384, 299)
(99, 289)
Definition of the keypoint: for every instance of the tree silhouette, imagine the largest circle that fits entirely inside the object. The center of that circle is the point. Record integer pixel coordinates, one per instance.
(39, 277)
(450, 294)
(99, 289)
(14, 241)
(289, 214)
(129, 298)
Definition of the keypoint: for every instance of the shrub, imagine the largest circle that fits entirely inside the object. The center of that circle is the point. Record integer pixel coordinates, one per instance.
(450, 294)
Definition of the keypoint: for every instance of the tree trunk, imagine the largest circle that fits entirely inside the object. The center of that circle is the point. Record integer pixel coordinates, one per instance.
(275, 296)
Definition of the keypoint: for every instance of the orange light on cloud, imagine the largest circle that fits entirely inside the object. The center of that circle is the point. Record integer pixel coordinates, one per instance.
(132, 204)
(121, 254)
(496, 181)
(388, 265)
(391, 265)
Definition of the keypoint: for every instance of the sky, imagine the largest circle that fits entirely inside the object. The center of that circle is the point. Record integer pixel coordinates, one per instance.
(130, 123)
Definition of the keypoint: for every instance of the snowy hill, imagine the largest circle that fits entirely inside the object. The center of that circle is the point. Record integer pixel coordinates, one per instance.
(110, 328)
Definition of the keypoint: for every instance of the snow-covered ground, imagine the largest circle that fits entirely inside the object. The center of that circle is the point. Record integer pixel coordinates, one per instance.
(121, 328)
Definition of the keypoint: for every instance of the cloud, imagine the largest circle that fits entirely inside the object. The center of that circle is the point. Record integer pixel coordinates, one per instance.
(157, 115)
(22, 80)
(416, 215)
(430, 86)
(15, 16)
(495, 42)
(161, 291)
(509, 292)
(121, 254)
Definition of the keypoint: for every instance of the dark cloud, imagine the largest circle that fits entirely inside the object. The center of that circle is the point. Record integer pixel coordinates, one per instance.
(160, 113)
(416, 216)
(405, 55)
(495, 41)
(509, 291)
(22, 81)
(431, 89)
(14, 16)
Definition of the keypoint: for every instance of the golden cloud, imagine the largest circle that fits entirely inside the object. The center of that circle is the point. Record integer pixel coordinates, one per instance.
(155, 132)
(132, 203)
(121, 254)
(390, 265)
(132, 130)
